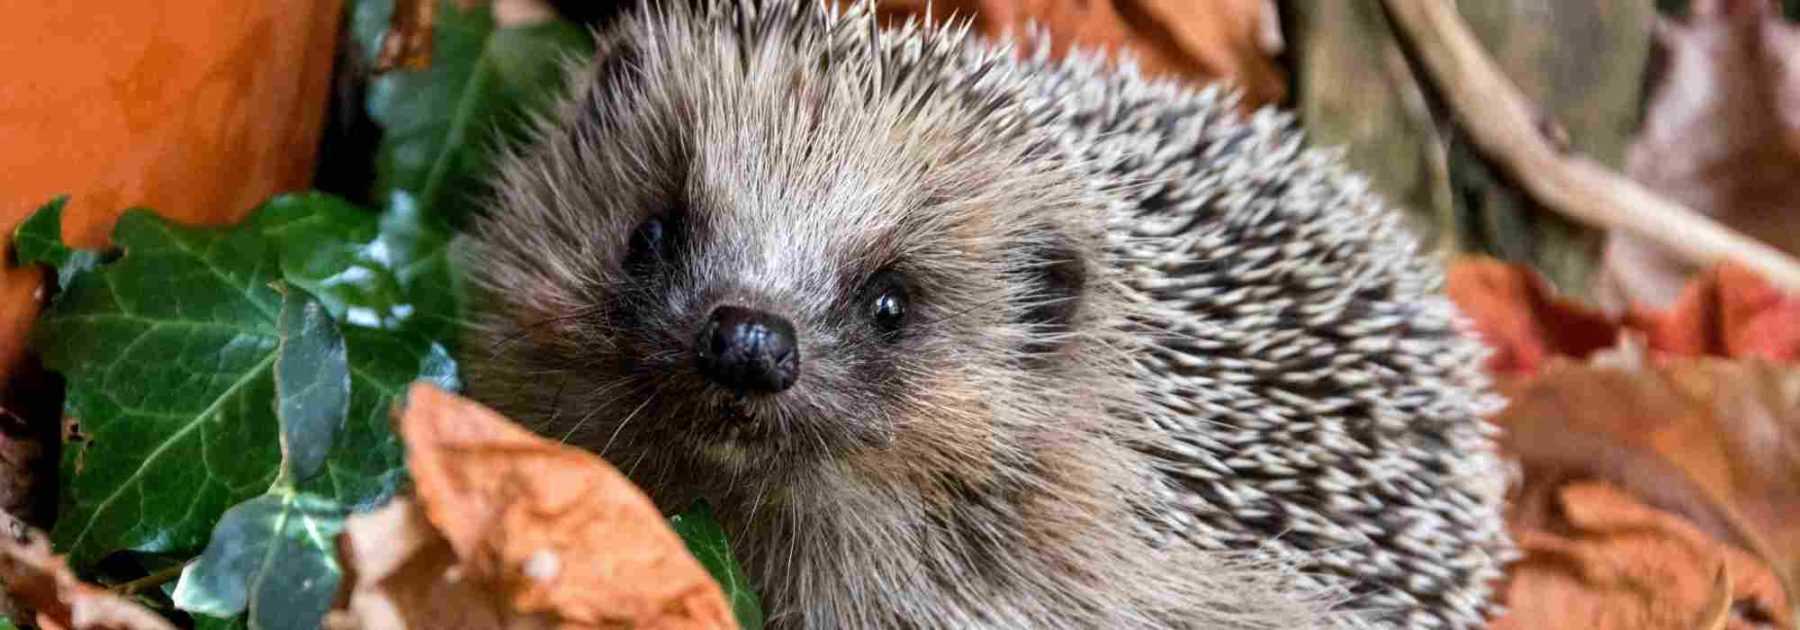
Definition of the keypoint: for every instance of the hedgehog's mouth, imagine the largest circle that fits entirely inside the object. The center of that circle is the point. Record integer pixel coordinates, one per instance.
(745, 433)
(737, 424)
(735, 438)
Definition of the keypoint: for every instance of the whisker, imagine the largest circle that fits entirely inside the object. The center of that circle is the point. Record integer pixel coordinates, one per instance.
(634, 413)
(527, 329)
(597, 408)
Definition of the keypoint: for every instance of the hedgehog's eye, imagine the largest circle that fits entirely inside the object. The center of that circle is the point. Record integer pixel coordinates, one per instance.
(649, 244)
(886, 299)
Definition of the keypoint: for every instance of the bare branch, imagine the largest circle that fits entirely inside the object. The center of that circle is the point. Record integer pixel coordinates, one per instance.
(1510, 130)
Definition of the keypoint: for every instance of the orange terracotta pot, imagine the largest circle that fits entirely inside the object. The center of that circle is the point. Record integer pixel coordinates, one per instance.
(199, 109)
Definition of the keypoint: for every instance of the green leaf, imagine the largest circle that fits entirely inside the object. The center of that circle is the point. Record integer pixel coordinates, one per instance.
(706, 540)
(391, 272)
(39, 241)
(7, 624)
(442, 124)
(368, 465)
(169, 355)
(273, 556)
(312, 385)
(209, 622)
(422, 247)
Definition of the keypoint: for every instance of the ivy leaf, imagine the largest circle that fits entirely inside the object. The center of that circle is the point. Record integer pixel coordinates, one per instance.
(209, 622)
(312, 384)
(169, 355)
(422, 249)
(706, 540)
(39, 241)
(442, 124)
(273, 556)
(369, 466)
(392, 272)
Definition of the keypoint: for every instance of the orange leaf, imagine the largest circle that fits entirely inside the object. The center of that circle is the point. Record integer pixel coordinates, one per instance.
(1517, 316)
(1727, 312)
(1714, 442)
(536, 533)
(1613, 562)
(407, 43)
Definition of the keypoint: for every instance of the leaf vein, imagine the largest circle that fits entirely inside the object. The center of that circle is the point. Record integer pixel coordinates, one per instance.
(155, 454)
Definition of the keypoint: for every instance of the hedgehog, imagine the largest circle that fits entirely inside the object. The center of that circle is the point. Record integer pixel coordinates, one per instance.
(950, 333)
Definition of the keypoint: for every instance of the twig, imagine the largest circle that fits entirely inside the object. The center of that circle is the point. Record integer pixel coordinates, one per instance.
(149, 581)
(1507, 128)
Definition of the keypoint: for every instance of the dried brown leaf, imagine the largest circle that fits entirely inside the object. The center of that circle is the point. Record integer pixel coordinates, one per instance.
(1726, 312)
(1611, 562)
(39, 580)
(1714, 443)
(401, 573)
(1520, 318)
(514, 531)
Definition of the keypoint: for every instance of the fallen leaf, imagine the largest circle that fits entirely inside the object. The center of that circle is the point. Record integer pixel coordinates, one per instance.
(527, 532)
(1721, 134)
(1611, 562)
(401, 573)
(1517, 315)
(41, 581)
(23, 457)
(1715, 443)
(1726, 312)
(1197, 40)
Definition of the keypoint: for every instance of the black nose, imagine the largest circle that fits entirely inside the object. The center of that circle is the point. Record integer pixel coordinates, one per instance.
(748, 350)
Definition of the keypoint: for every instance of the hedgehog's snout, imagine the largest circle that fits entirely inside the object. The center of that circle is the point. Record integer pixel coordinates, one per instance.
(748, 351)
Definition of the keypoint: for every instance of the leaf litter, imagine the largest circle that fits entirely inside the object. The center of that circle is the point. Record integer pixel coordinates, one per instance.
(508, 529)
(41, 580)
(1659, 451)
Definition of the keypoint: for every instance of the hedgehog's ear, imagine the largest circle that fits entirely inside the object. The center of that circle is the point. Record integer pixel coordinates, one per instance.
(1055, 275)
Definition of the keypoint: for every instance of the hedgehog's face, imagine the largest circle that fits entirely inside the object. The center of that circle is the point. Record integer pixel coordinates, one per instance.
(753, 268)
